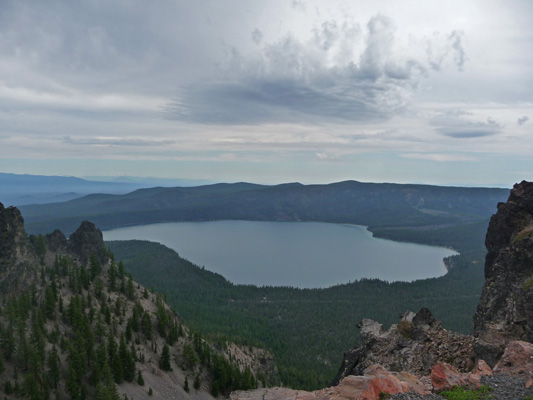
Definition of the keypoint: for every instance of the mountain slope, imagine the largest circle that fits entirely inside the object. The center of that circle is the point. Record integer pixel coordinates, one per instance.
(75, 325)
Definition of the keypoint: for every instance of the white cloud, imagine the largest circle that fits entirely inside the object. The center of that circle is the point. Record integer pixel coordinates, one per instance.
(439, 157)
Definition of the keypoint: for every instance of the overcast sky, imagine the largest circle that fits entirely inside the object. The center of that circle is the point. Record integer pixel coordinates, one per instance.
(269, 91)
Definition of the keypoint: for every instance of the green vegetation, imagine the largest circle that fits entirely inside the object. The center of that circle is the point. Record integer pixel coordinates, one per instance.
(307, 329)
(527, 284)
(522, 235)
(405, 328)
(69, 335)
(460, 393)
(390, 206)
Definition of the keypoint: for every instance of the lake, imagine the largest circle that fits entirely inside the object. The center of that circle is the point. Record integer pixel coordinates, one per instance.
(298, 254)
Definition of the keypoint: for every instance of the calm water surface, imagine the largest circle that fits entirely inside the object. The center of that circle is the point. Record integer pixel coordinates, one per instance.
(299, 254)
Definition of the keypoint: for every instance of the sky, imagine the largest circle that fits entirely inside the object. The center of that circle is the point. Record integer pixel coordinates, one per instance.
(269, 91)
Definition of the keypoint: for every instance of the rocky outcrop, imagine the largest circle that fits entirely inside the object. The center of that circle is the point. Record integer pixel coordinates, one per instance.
(56, 242)
(372, 385)
(505, 310)
(15, 252)
(414, 345)
(88, 241)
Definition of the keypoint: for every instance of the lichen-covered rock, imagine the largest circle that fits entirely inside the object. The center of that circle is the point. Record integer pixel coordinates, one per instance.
(414, 345)
(505, 310)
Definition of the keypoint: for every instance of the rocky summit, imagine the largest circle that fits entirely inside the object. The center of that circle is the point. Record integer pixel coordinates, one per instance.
(414, 345)
(505, 310)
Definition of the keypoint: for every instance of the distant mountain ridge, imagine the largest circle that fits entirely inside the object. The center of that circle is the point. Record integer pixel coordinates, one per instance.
(378, 205)
(17, 189)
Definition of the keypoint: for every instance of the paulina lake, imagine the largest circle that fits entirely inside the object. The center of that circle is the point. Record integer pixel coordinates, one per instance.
(298, 254)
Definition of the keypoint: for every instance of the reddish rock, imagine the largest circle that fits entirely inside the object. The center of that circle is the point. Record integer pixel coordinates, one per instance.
(529, 383)
(517, 358)
(445, 377)
(382, 381)
(352, 386)
(415, 384)
(481, 369)
(384, 384)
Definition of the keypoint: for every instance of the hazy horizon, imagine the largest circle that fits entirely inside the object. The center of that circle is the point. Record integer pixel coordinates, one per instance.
(192, 182)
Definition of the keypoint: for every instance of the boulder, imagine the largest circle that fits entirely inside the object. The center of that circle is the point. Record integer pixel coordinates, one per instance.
(415, 384)
(481, 369)
(517, 359)
(445, 377)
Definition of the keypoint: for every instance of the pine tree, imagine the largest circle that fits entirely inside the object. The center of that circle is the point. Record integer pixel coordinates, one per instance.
(186, 385)
(197, 382)
(146, 324)
(73, 387)
(112, 276)
(173, 334)
(130, 290)
(115, 361)
(140, 379)
(128, 364)
(164, 361)
(54, 372)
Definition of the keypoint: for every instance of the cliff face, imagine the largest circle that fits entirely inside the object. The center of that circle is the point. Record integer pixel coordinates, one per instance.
(505, 310)
(16, 255)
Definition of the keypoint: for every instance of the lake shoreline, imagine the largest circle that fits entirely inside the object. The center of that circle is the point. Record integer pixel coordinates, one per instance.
(298, 254)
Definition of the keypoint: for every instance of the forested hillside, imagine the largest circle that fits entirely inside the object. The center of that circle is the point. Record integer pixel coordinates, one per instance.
(307, 329)
(74, 324)
(378, 206)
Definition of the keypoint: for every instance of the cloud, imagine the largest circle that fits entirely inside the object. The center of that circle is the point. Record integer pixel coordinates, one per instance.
(459, 124)
(522, 120)
(298, 5)
(116, 141)
(257, 36)
(441, 50)
(459, 57)
(438, 157)
(292, 80)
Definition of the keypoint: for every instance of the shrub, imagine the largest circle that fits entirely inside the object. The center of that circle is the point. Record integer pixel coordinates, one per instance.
(460, 393)
(405, 328)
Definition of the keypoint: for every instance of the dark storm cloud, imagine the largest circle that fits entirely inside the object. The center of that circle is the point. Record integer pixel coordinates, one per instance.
(291, 81)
